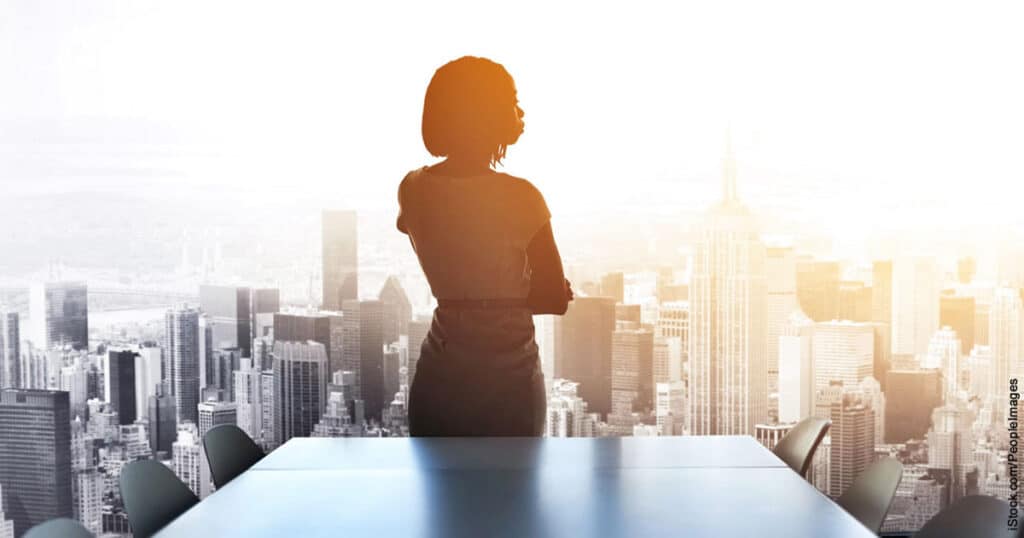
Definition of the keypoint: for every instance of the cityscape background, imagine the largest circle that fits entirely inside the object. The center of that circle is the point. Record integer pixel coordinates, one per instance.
(767, 213)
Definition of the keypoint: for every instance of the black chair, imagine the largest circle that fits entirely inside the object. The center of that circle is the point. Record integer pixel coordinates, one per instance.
(974, 516)
(797, 447)
(870, 495)
(230, 452)
(153, 496)
(59, 528)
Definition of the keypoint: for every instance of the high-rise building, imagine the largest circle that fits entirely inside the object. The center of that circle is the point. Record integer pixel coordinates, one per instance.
(60, 315)
(614, 285)
(392, 375)
(189, 460)
(668, 359)
(670, 407)
(965, 269)
(567, 412)
(264, 304)
(147, 376)
(163, 426)
(228, 308)
(87, 493)
(397, 309)
(817, 288)
(35, 456)
(344, 414)
(628, 312)
(852, 435)
(1005, 339)
(843, 351)
(119, 390)
(944, 355)
(321, 327)
(300, 371)
(583, 349)
(340, 258)
(854, 301)
(769, 435)
(182, 361)
(216, 413)
(780, 262)
(632, 372)
(74, 381)
(881, 295)
(10, 350)
(911, 396)
(957, 313)
(915, 304)
(979, 374)
(796, 369)
(951, 446)
(248, 399)
(268, 419)
(363, 323)
(673, 320)
(728, 320)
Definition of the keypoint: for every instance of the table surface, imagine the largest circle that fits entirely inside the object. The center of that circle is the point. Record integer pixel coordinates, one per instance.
(630, 486)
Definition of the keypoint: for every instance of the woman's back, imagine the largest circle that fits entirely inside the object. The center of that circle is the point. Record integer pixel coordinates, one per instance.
(471, 233)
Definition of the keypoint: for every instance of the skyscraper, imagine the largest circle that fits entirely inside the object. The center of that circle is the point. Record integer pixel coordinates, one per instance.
(189, 461)
(229, 310)
(728, 320)
(87, 492)
(340, 258)
(181, 359)
(567, 412)
(302, 326)
(216, 413)
(951, 445)
(163, 426)
(363, 323)
(265, 303)
(910, 398)
(147, 377)
(854, 301)
(632, 372)
(60, 315)
(10, 350)
(817, 288)
(299, 388)
(614, 285)
(881, 298)
(944, 355)
(915, 304)
(119, 390)
(843, 352)
(852, 435)
(957, 313)
(249, 398)
(397, 309)
(796, 369)
(670, 407)
(1005, 339)
(780, 263)
(583, 349)
(6, 525)
(344, 414)
(35, 456)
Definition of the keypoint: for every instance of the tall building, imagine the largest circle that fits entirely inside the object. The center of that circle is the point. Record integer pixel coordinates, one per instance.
(915, 304)
(229, 310)
(300, 371)
(854, 301)
(1005, 339)
(567, 412)
(340, 258)
(35, 456)
(74, 381)
(392, 371)
(363, 323)
(769, 435)
(87, 493)
(583, 349)
(343, 416)
(321, 327)
(60, 315)
(852, 435)
(951, 446)
(163, 426)
(216, 413)
(796, 369)
(881, 295)
(397, 309)
(182, 361)
(10, 350)
(119, 389)
(817, 288)
(780, 262)
(979, 374)
(632, 371)
(268, 419)
(6, 525)
(248, 399)
(147, 377)
(264, 304)
(670, 407)
(668, 359)
(728, 320)
(614, 285)
(843, 351)
(957, 313)
(189, 460)
(911, 396)
(944, 355)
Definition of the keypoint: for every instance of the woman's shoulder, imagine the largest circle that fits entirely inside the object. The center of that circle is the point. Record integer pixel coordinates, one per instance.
(521, 186)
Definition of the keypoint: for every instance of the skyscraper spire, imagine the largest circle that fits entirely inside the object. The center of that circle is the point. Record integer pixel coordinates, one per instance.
(728, 171)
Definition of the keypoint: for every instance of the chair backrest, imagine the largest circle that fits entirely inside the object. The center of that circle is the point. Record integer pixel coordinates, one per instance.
(976, 516)
(797, 447)
(59, 528)
(153, 496)
(230, 452)
(869, 496)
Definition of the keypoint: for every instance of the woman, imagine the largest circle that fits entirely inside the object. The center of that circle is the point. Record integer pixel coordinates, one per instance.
(485, 244)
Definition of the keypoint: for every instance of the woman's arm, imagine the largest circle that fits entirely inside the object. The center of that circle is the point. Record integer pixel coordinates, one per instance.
(550, 292)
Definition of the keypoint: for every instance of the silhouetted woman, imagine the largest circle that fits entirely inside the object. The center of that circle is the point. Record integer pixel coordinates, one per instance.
(484, 241)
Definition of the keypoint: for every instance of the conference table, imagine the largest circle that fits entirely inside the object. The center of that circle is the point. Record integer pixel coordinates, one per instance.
(718, 486)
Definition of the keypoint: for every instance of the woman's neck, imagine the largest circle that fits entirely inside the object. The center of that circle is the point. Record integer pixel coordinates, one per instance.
(454, 166)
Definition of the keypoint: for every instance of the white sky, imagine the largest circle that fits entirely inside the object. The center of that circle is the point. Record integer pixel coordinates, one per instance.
(873, 104)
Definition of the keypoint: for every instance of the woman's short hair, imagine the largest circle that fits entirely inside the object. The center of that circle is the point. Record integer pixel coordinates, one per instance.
(469, 108)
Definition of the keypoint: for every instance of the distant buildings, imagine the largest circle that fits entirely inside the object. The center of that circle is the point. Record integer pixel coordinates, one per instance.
(915, 304)
(911, 395)
(842, 351)
(583, 349)
(363, 323)
(567, 412)
(35, 456)
(670, 407)
(10, 350)
(852, 435)
(182, 361)
(299, 388)
(796, 380)
(632, 387)
(189, 460)
(728, 320)
(228, 308)
(397, 310)
(214, 414)
(59, 312)
(162, 427)
(340, 258)
(817, 288)
(780, 263)
(769, 435)
(1005, 339)
(343, 416)
(958, 313)
(119, 389)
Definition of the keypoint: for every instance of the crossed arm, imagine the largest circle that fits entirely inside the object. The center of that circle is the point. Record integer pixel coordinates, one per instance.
(550, 291)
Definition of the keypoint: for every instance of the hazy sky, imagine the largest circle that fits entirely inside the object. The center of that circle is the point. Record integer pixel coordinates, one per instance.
(866, 105)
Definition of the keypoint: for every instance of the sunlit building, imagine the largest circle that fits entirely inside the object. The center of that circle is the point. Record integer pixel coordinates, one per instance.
(915, 304)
